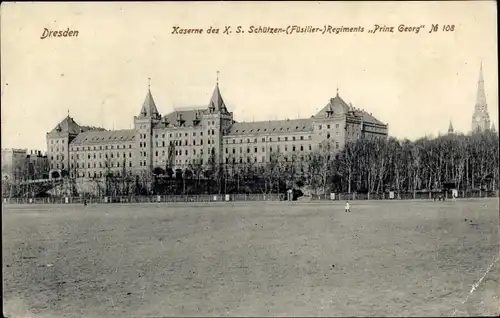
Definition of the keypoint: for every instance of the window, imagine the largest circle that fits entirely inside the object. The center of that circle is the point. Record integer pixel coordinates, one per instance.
(156, 153)
(319, 127)
(255, 149)
(328, 126)
(263, 149)
(293, 138)
(234, 150)
(293, 148)
(310, 148)
(301, 137)
(301, 148)
(186, 152)
(263, 139)
(227, 150)
(278, 138)
(336, 125)
(336, 145)
(328, 136)
(286, 138)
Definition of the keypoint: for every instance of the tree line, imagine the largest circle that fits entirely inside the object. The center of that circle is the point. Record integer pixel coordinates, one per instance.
(467, 163)
(463, 162)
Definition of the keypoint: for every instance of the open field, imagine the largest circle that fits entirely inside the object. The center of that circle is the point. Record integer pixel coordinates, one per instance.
(399, 258)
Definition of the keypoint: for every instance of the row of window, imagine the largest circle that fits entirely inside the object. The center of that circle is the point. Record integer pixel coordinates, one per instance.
(328, 126)
(294, 148)
(178, 135)
(270, 139)
(57, 149)
(101, 165)
(100, 148)
(94, 155)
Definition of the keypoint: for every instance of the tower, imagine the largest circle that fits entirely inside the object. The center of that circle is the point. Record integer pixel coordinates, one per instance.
(450, 128)
(216, 122)
(480, 117)
(143, 123)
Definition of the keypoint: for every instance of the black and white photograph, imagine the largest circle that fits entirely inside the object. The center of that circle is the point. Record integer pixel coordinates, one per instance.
(250, 159)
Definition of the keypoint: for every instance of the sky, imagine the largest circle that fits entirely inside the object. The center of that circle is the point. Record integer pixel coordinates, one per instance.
(414, 82)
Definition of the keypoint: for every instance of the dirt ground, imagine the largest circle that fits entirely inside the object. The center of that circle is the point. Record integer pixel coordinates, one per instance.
(399, 258)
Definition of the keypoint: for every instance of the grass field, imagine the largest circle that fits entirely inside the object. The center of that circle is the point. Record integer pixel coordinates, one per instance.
(400, 258)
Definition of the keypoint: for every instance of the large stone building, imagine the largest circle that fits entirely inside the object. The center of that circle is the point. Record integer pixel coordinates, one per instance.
(480, 117)
(202, 135)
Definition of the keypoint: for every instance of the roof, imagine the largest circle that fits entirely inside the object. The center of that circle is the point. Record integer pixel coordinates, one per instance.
(336, 104)
(67, 125)
(87, 128)
(216, 102)
(148, 108)
(101, 137)
(271, 127)
(187, 115)
(367, 117)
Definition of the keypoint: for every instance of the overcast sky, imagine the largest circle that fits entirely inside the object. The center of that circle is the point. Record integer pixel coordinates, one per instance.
(414, 82)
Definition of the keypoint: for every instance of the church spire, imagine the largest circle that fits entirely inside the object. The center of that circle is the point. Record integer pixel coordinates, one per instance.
(481, 95)
(450, 128)
(480, 117)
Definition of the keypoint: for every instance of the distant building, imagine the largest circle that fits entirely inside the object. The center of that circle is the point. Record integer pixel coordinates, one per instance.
(18, 164)
(450, 128)
(200, 135)
(12, 162)
(480, 117)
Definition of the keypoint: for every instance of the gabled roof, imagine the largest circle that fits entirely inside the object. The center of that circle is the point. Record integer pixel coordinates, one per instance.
(148, 108)
(187, 115)
(104, 137)
(271, 127)
(67, 125)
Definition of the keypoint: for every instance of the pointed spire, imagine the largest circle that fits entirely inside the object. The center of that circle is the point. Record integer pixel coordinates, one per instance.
(481, 95)
(68, 113)
(337, 89)
(450, 128)
(149, 107)
(216, 102)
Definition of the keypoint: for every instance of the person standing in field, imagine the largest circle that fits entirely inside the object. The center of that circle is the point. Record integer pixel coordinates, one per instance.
(347, 207)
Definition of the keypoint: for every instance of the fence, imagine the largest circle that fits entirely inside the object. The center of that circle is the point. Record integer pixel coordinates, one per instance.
(146, 199)
(243, 198)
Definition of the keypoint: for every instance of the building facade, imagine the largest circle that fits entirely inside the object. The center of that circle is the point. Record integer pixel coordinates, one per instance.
(480, 117)
(20, 165)
(202, 136)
